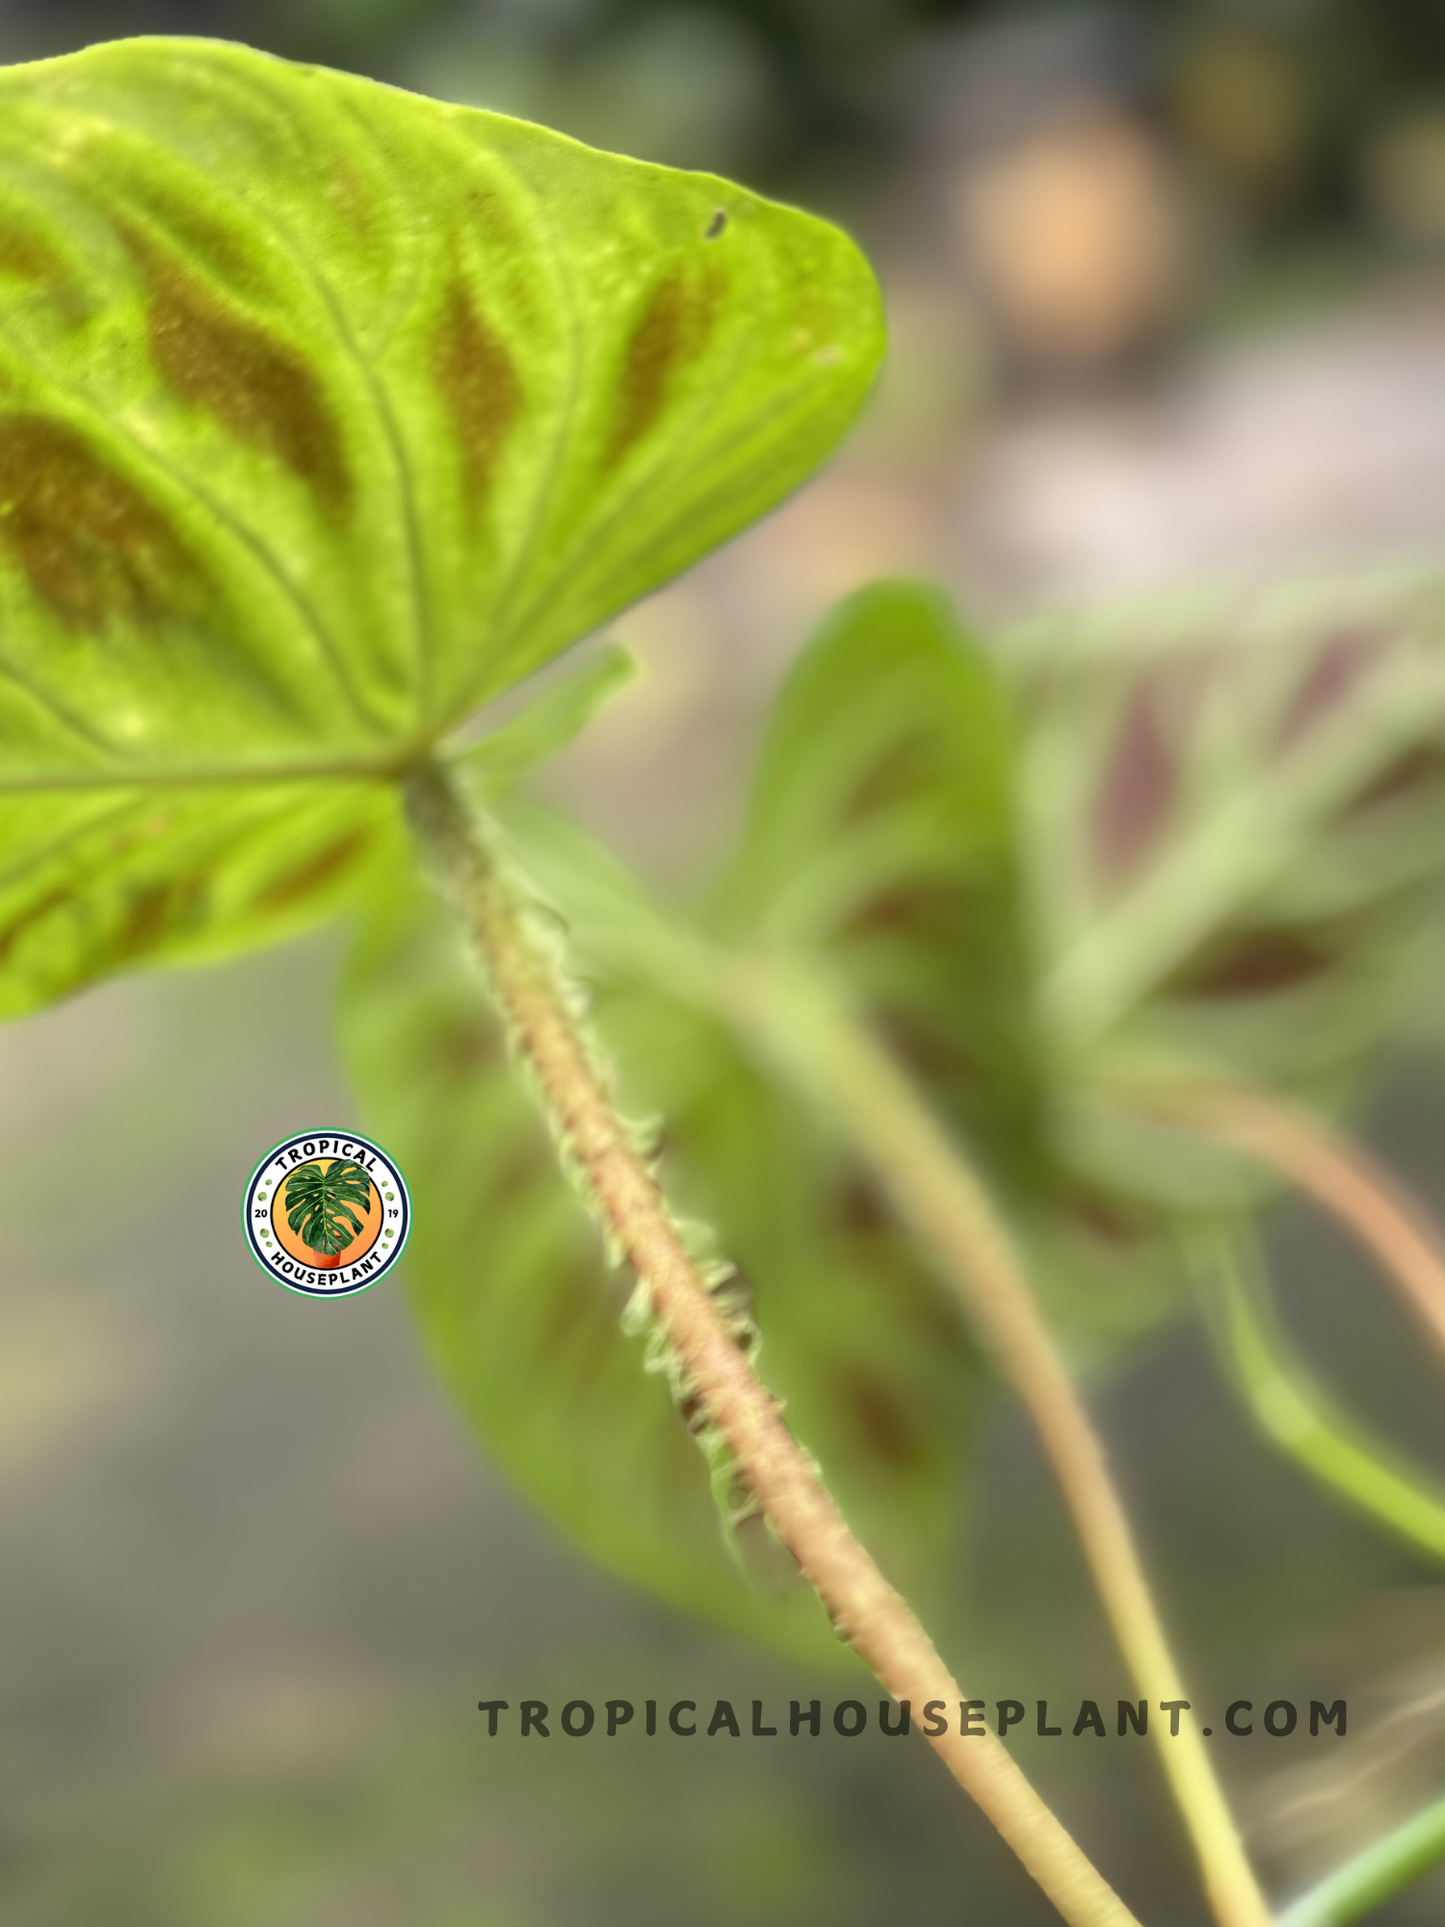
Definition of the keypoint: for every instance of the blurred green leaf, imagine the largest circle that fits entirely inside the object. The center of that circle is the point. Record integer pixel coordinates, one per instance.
(884, 839)
(1297, 1415)
(522, 1315)
(326, 413)
(1235, 821)
(882, 836)
(1234, 801)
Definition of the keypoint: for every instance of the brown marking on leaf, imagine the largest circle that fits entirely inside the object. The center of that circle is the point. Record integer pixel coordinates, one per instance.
(26, 919)
(479, 385)
(529, 1164)
(716, 225)
(221, 252)
(262, 390)
(463, 1049)
(1333, 675)
(915, 1038)
(1418, 769)
(860, 1210)
(91, 544)
(883, 1423)
(487, 219)
(314, 873)
(897, 773)
(1137, 789)
(28, 256)
(673, 331)
(153, 911)
(346, 193)
(909, 908)
(125, 841)
(1257, 963)
(488, 216)
(1103, 1217)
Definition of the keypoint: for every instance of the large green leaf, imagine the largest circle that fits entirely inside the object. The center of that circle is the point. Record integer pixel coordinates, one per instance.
(523, 1317)
(328, 412)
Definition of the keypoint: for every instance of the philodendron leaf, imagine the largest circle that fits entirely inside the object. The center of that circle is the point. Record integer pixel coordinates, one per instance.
(882, 836)
(322, 1201)
(523, 1317)
(327, 413)
(1236, 824)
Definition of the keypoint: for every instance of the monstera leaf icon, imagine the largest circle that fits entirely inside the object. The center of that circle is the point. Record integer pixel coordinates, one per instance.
(318, 1204)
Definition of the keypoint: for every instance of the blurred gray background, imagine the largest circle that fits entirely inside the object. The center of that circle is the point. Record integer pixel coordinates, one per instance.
(1167, 286)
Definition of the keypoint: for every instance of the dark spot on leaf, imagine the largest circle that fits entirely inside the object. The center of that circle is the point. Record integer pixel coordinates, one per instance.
(672, 331)
(27, 257)
(220, 252)
(1103, 1217)
(1137, 788)
(1418, 769)
(258, 387)
(1331, 677)
(884, 1426)
(860, 1210)
(347, 195)
(153, 827)
(912, 907)
(716, 225)
(486, 218)
(463, 1049)
(479, 385)
(153, 911)
(487, 214)
(93, 547)
(314, 873)
(907, 765)
(1257, 963)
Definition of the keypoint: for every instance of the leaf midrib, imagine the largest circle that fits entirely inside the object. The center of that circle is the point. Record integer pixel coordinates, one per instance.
(387, 769)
